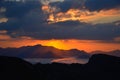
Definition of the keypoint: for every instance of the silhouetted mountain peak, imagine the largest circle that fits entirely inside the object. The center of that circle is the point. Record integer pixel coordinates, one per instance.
(103, 59)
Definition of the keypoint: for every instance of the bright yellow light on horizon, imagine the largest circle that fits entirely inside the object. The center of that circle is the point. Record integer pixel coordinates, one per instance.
(87, 45)
(56, 43)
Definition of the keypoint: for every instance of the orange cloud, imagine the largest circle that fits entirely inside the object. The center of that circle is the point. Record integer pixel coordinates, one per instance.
(3, 20)
(83, 15)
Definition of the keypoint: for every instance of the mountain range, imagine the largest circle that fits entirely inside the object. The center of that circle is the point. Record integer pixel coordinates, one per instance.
(39, 51)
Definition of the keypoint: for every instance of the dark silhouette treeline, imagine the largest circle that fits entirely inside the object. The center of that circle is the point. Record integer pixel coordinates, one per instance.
(99, 67)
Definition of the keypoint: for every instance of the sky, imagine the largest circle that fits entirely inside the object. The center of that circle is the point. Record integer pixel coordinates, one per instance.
(65, 24)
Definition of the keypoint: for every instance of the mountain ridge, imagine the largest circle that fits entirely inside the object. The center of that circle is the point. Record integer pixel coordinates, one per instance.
(39, 51)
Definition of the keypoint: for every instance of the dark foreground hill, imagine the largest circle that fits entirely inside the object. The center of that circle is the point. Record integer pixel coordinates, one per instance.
(99, 67)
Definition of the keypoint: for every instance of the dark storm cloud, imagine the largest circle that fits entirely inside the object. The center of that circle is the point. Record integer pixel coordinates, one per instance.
(21, 14)
(68, 4)
(102, 4)
(27, 19)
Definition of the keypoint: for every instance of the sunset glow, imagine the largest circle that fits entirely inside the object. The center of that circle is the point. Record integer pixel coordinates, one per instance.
(87, 45)
(60, 44)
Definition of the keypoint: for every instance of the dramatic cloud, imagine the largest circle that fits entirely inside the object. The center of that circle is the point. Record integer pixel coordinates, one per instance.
(78, 11)
(27, 19)
(46, 20)
(107, 16)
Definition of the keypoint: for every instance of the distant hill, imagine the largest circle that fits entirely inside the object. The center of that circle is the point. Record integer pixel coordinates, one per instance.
(39, 51)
